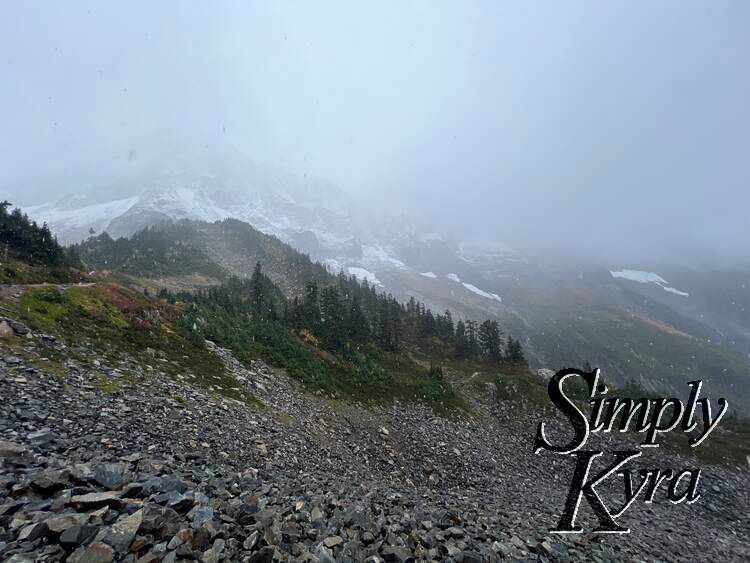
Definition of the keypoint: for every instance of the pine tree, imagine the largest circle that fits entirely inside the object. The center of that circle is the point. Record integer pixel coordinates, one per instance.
(257, 294)
(490, 340)
(26, 240)
(514, 352)
(357, 327)
(462, 348)
(332, 318)
(312, 307)
(472, 339)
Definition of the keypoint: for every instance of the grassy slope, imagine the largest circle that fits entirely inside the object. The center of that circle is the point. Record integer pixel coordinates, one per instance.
(119, 323)
(18, 272)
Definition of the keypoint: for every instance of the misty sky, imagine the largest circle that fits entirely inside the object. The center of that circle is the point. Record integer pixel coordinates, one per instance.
(514, 120)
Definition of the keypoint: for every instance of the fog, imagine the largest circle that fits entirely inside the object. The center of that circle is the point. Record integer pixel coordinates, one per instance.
(602, 128)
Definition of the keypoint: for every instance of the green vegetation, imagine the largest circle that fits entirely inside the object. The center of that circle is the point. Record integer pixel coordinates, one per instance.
(524, 388)
(30, 253)
(333, 333)
(121, 323)
(24, 239)
(729, 443)
(149, 253)
(14, 271)
(344, 338)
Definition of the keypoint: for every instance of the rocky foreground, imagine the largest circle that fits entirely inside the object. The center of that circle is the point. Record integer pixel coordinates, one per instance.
(111, 460)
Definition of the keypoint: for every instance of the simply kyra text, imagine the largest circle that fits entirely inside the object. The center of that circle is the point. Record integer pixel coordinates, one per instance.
(649, 416)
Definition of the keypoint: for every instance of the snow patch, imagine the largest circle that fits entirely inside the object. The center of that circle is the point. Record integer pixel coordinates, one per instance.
(428, 275)
(639, 276)
(378, 254)
(362, 274)
(333, 265)
(90, 215)
(677, 291)
(488, 295)
(474, 289)
(647, 277)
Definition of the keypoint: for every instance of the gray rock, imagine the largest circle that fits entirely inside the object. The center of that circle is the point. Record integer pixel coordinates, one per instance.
(43, 437)
(96, 500)
(94, 553)
(6, 331)
(164, 484)
(110, 475)
(249, 543)
(122, 533)
(184, 536)
(14, 452)
(32, 532)
(264, 555)
(333, 541)
(324, 554)
(59, 524)
(19, 558)
(78, 535)
(19, 328)
(394, 553)
(469, 557)
(200, 515)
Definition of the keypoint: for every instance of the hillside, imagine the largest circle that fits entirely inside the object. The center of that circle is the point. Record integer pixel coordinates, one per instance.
(565, 311)
(235, 422)
(332, 332)
(561, 318)
(216, 250)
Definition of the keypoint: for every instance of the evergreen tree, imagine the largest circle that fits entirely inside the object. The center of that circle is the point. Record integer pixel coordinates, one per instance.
(312, 307)
(462, 348)
(256, 291)
(514, 352)
(472, 339)
(332, 318)
(490, 341)
(357, 327)
(26, 240)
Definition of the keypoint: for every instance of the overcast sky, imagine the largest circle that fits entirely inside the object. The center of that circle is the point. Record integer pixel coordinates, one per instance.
(515, 120)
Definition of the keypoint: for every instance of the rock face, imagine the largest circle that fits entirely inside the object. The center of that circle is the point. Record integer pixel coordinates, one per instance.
(157, 470)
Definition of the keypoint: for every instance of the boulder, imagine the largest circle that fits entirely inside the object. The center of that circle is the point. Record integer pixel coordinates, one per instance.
(14, 453)
(6, 331)
(95, 553)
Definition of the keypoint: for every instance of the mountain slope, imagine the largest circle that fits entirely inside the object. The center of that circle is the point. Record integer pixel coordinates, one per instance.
(560, 318)
(638, 321)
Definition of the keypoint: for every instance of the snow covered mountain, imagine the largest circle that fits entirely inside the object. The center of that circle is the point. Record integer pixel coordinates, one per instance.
(209, 186)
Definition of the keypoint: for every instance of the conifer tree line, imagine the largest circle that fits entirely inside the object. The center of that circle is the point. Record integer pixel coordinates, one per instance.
(348, 313)
(22, 238)
(148, 252)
